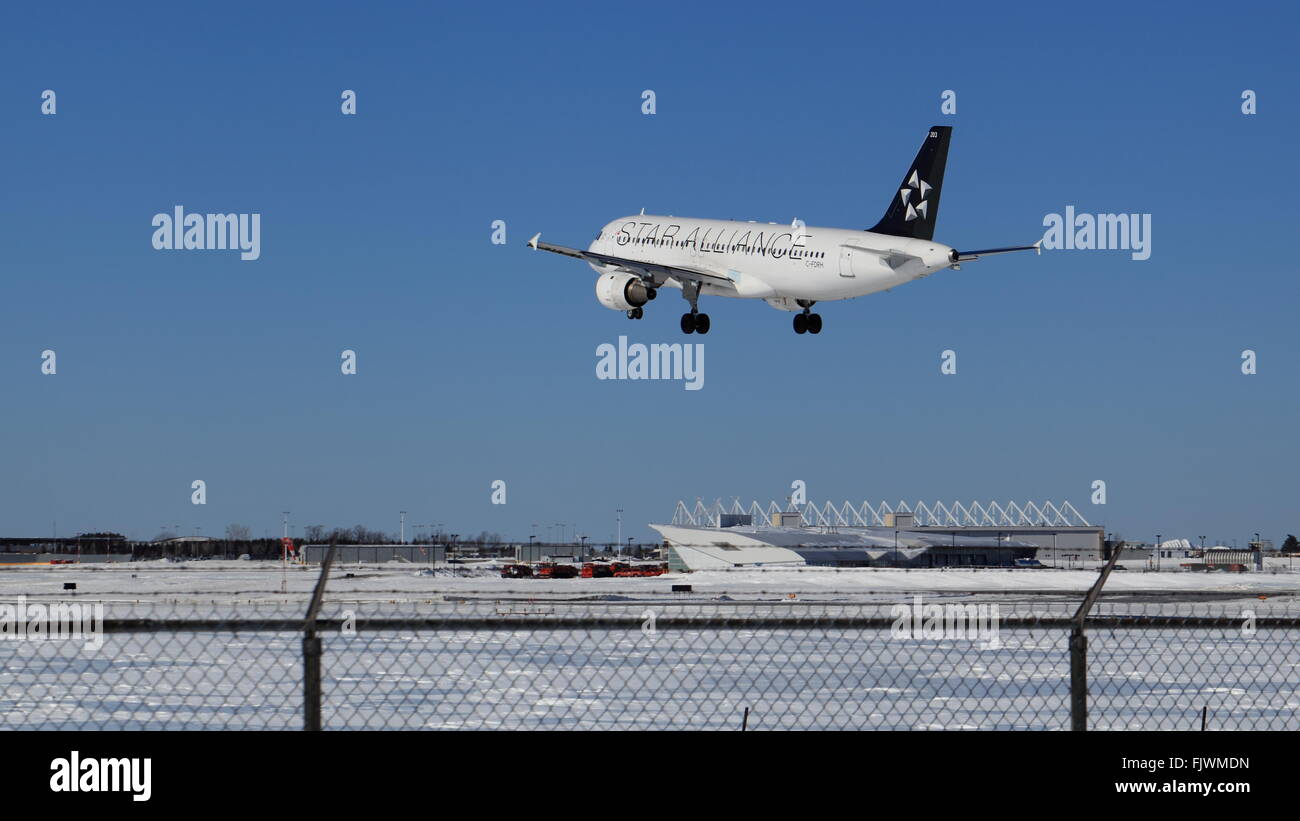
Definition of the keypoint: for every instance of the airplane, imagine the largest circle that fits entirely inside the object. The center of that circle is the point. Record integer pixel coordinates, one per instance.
(791, 267)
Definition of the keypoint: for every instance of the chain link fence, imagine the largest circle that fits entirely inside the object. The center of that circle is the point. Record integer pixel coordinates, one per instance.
(694, 665)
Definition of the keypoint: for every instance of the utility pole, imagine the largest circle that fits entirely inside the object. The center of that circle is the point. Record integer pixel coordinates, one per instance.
(401, 527)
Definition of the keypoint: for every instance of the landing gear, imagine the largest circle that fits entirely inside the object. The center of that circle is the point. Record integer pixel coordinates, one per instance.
(695, 323)
(635, 313)
(807, 322)
(651, 293)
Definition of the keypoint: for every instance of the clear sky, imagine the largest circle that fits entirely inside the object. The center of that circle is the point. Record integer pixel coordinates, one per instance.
(476, 361)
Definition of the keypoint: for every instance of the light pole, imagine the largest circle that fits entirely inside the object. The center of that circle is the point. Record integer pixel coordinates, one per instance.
(286, 524)
(1158, 551)
(401, 527)
(619, 540)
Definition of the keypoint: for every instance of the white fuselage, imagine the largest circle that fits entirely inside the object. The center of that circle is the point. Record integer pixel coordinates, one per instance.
(779, 263)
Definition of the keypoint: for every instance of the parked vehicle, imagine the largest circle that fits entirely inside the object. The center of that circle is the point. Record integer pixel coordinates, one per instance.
(551, 570)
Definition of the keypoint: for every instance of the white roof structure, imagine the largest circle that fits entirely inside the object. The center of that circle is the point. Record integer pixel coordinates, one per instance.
(864, 514)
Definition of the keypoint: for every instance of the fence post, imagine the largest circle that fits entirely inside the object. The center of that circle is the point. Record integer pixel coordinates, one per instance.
(1078, 680)
(312, 651)
(1079, 649)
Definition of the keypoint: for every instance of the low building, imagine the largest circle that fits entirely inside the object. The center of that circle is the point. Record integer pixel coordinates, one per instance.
(714, 548)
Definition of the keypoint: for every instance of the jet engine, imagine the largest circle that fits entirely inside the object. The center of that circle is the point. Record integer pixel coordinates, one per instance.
(621, 291)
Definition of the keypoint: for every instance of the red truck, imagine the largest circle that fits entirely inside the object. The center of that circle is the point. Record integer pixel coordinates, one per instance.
(551, 570)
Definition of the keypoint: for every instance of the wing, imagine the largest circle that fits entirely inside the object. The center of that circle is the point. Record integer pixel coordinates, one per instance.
(650, 270)
(966, 256)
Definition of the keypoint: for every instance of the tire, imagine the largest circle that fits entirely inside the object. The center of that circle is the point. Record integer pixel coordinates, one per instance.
(814, 323)
(638, 313)
(688, 323)
(800, 324)
(651, 293)
(701, 323)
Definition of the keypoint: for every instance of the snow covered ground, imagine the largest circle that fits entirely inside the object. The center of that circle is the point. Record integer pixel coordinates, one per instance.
(634, 677)
(691, 679)
(244, 582)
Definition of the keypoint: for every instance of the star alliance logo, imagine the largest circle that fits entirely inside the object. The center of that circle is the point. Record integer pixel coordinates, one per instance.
(922, 207)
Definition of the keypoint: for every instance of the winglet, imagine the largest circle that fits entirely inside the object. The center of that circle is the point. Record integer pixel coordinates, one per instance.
(532, 243)
(1038, 247)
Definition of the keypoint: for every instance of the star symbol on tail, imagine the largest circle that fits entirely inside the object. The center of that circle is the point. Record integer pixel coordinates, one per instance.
(918, 186)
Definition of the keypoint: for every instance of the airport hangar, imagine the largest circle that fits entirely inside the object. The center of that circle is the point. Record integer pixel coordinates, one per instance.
(719, 537)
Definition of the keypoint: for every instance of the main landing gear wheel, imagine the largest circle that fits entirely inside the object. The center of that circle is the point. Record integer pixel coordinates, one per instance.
(807, 323)
(635, 313)
(694, 323)
(651, 293)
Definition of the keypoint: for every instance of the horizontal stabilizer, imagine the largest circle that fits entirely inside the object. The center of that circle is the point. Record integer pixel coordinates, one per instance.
(966, 256)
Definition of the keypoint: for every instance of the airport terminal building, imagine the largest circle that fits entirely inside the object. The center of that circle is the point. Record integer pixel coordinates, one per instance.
(911, 536)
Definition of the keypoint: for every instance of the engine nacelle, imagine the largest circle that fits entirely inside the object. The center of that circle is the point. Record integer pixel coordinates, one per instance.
(621, 292)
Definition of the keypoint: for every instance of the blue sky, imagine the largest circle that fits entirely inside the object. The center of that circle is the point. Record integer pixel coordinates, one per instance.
(477, 361)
